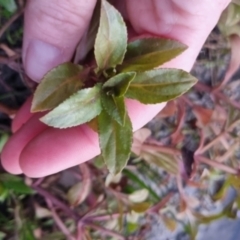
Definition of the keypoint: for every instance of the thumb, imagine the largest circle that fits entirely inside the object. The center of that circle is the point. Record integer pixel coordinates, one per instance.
(52, 31)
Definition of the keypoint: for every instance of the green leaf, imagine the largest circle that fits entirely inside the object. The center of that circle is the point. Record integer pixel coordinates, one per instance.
(164, 161)
(229, 21)
(146, 54)
(132, 227)
(140, 207)
(115, 142)
(2, 235)
(98, 162)
(93, 124)
(15, 184)
(78, 192)
(87, 42)
(170, 223)
(53, 236)
(26, 231)
(159, 85)
(80, 108)
(57, 85)
(111, 41)
(119, 84)
(236, 2)
(3, 139)
(115, 107)
(210, 218)
(9, 5)
(3, 193)
(137, 180)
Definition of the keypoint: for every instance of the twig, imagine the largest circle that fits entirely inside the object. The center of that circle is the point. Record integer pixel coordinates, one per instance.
(215, 140)
(234, 62)
(57, 202)
(105, 231)
(211, 144)
(9, 52)
(187, 100)
(233, 125)
(162, 149)
(8, 60)
(58, 221)
(38, 182)
(86, 184)
(94, 207)
(216, 164)
(223, 140)
(80, 232)
(202, 87)
(161, 204)
(7, 111)
(229, 152)
(181, 121)
(201, 143)
(103, 217)
(228, 100)
(10, 21)
(180, 186)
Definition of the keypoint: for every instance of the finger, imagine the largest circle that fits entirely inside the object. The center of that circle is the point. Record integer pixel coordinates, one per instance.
(22, 116)
(52, 31)
(189, 22)
(140, 114)
(57, 149)
(52, 150)
(11, 151)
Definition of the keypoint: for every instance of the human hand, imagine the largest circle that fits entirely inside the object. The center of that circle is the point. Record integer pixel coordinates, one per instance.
(52, 31)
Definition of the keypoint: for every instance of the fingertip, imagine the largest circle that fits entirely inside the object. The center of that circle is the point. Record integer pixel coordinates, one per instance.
(140, 114)
(9, 160)
(57, 149)
(22, 116)
(13, 148)
(41, 57)
(52, 30)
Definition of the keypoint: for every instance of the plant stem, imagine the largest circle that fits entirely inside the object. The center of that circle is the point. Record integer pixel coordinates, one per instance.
(10, 21)
(211, 144)
(7, 111)
(94, 207)
(161, 204)
(104, 217)
(57, 202)
(228, 100)
(215, 140)
(58, 221)
(229, 152)
(162, 149)
(105, 231)
(38, 182)
(216, 165)
(80, 232)
(181, 120)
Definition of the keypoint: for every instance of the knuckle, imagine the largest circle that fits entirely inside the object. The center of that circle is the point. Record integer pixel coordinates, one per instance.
(61, 16)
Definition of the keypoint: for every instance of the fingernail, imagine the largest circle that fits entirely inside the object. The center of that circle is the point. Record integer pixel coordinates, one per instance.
(41, 57)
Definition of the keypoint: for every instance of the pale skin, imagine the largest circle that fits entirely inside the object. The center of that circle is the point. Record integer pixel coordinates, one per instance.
(55, 27)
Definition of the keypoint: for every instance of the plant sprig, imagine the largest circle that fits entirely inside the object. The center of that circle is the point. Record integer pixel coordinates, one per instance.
(123, 70)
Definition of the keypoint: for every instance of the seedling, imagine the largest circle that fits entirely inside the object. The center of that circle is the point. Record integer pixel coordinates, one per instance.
(95, 94)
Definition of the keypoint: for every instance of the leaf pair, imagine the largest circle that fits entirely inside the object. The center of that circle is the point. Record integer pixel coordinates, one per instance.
(123, 70)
